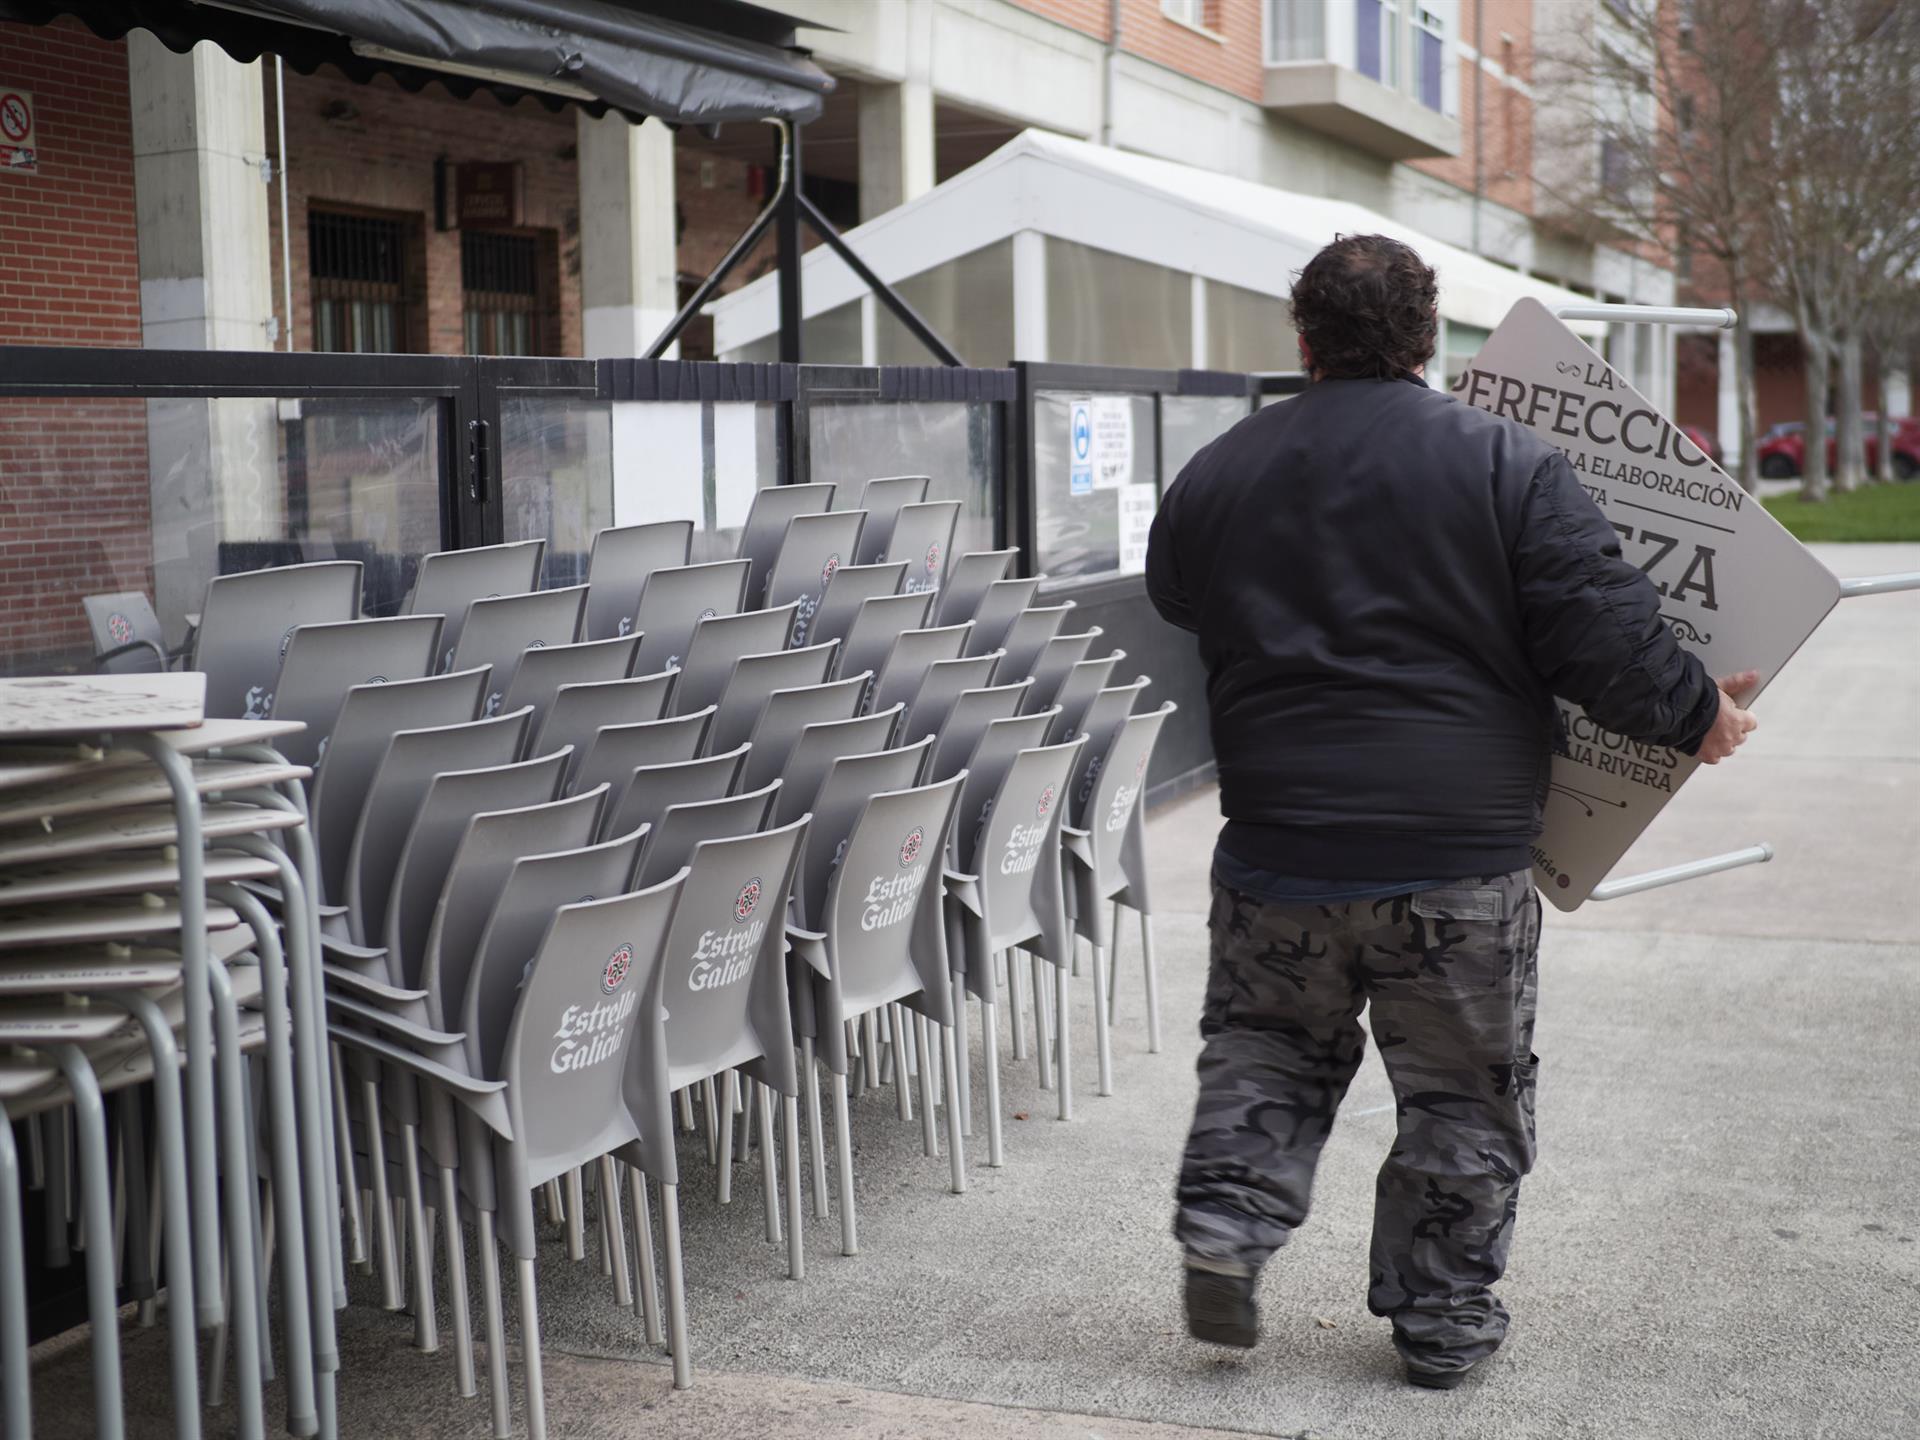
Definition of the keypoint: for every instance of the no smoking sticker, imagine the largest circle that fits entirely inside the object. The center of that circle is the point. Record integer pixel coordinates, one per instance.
(18, 152)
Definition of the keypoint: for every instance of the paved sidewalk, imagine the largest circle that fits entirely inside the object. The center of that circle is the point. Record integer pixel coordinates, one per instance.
(1721, 1238)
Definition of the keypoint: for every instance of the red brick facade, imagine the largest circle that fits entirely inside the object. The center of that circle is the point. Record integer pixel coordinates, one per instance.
(73, 473)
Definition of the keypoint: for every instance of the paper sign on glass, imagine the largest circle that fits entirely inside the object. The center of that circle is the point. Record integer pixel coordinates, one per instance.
(1735, 587)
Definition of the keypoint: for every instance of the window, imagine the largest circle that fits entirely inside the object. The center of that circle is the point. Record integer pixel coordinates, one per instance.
(1685, 114)
(1196, 13)
(1296, 30)
(501, 273)
(1614, 167)
(1376, 48)
(362, 281)
(1430, 48)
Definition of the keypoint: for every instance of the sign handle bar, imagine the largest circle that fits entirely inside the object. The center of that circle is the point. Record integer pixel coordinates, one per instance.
(1716, 318)
(1879, 584)
(1673, 874)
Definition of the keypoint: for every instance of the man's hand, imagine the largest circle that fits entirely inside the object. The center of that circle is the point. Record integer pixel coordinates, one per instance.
(1731, 725)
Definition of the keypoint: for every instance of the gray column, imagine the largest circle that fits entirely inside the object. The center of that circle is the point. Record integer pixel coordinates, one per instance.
(628, 290)
(896, 123)
(1727, 410)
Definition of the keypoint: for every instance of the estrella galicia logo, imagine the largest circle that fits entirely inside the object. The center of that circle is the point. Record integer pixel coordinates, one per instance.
(933, 558)
(376, 679)
(1139, 767)
(826, 571)
(119, 628)
(749, 898)
(537, 645)
(615, 972)
(911, 846)
(286, 640)
(708, 613)
(1046, 803)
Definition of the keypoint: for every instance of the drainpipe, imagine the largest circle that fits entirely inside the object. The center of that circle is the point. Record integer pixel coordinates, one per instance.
(286, 240)
(1479, 121)
(1110, 77)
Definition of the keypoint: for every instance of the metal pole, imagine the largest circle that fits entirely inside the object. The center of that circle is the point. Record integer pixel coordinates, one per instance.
(1673, 874)
(286, 240)
(882, 291)
(1879, 584)
(786, 234)
(1711, 319)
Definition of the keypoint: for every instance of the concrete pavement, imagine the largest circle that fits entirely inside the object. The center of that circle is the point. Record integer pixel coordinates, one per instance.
(1721, 1238)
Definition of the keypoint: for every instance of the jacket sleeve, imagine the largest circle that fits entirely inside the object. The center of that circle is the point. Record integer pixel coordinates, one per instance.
(1164, 585)
(1592, 620)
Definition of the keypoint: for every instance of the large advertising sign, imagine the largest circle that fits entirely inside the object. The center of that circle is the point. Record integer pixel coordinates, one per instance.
(1735, 587)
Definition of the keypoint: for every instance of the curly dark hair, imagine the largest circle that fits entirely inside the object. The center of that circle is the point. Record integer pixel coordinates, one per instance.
(1366, 306)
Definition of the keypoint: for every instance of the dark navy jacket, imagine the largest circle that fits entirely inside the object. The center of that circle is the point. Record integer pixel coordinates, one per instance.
(1389, 587)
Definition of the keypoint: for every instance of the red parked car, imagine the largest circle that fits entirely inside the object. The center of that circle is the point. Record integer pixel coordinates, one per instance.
(1783, 449)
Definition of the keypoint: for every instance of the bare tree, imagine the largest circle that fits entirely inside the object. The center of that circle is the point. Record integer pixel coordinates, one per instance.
(1660, 137)
(1890, 328)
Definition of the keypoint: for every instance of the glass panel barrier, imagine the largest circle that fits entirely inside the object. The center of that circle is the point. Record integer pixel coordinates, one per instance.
(1092, 454)
(953, 442)
(1188, 423)
(556, 477)
(698, 459)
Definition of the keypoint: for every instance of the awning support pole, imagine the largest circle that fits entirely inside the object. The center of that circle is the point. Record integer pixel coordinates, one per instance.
(1673, 874)
(1879, 584)
(1718, 318)
(748, 239)
(883, 292)
(786, 239)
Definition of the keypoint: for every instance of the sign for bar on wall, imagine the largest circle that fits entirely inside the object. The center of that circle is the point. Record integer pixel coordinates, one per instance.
(19, 152)
(1735, 587)
(487, 192)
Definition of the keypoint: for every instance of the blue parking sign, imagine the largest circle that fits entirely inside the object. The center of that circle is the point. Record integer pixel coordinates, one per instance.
(1080, 434)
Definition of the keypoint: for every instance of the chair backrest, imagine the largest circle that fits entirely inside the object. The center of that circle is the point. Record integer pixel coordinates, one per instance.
(776, 729)
(121, 619)
(717, 643)
(940, 688)
(687, 824)
(966, 584)
(616, 751)
(579, 712)
(1016, 853)
(535, 888)
(545, 668)
(645, 794)
(1085, 680)
(818, 746)
(849, 781)
(1061, 654)
(848, 588)
(450, 580)
(677, 599)
(1108, 806)
(351, 753)
(812, 554)
(590, 1004)
(1027, 638)
(998, 609)
(882, 911)
(247, 622)
(880, 620)
(754, 679)
(773, 508)
(499, 631)
(488, 848)
(618, 566)
(1102, 720)
(412, 759)
(723, 978)
(966, 723)
(923, 537)
(452, 799)
(987, 764)
(324, 662)
(908, 659)
(882, 498)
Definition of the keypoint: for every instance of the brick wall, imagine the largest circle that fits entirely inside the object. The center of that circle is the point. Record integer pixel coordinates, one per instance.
(1506, 134)
(1225, 51)
(73, 473)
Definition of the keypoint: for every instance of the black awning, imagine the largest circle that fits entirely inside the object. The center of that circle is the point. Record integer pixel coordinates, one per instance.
(641, 59)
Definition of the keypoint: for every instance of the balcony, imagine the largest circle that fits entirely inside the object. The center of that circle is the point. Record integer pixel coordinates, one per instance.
(1341, 102)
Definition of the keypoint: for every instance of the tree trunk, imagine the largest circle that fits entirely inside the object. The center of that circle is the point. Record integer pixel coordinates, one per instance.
(1850, 432)
(1815, 363)
(1748, 406)
(1883, 412)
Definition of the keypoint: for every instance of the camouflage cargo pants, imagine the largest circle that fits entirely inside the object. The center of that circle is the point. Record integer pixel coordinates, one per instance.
(1451, 977)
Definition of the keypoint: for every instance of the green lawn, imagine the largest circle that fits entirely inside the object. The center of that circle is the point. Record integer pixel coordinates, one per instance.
(1874, 512)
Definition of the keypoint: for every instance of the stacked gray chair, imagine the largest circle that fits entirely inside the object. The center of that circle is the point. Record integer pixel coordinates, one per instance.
(618, 566)
(963, 727)
(649, 791)
(1027, 637)
(908, 659)
(999, 608)
(579, 712)
(817, 747)
(882, 498)
(717, 642)
(545, 668)
(755, 679)
(923, 538)
(676, 600)
(774, 508)
(616, 751)
(847, 590)
(448, 581)
(324, 662)
(1084, 680)
(247, 622)
(967, 581)
(815, 548)
(686, 824)
(876, 625)
(940, 690)
(778, 726)
(127, 637)
(1056, 662)
(498, 632)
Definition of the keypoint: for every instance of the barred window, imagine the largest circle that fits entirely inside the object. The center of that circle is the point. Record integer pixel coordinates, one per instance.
(501, 274)
(361, 281)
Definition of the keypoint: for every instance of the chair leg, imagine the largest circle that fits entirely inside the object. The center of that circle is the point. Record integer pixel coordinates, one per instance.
(1015, 1020)
(613, 1232)
(1152, 983)
(530, 1349)
(1113, 968)
(990, 1044)
(456, 1248)
(686, 1110)
(770, 1187)
(962, 1046)
(1102, 1030)
(648, 1296)
(816, 1135)
(676, 1287)
(426, 1331)
(383, 1238)
(710, 1102)
(96, 1212)
(1042, 1049)
(956, 1083)
(556, 1207)
(790, 1156)
(496, 1327)
(15, 1384)
(902, 1081)
(349, 1184)
(870, 1045)
(728, 1081)
(576, 1217)
(1062, 982)
(843, 1145)
(243, 1320)
(929, 1139)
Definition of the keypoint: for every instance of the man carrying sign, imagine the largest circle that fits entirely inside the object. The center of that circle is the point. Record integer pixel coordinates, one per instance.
(1389, 589)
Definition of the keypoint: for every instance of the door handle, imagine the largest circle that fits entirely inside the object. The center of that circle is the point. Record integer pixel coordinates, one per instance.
(477, 442)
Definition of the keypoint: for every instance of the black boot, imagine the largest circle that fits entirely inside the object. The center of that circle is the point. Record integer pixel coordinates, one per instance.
(1220, 1308)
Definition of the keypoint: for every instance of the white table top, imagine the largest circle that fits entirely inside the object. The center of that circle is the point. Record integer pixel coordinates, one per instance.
(136, 830)
(120, 918)
(118, 875)
(51, 705)
(39, 762)
(123, 787)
